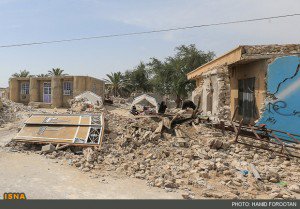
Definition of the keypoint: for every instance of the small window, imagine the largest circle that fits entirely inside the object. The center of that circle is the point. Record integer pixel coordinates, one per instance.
(25, 88)
(67, 88)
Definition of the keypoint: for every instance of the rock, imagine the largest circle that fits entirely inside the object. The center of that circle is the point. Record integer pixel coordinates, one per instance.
(188, 196)
(89, 154)
(78, 164)
(51, 156)
(170, 184)
(149, 156)
(273, 176)
(215, 144)
(159, 182)
(113, 135)
(86, 169)
(294, 188)
(182, 142)
(212, 194)
(155, 136)
(48, 148)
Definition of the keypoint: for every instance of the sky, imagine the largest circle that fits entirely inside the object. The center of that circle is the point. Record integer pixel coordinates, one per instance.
(23, 21)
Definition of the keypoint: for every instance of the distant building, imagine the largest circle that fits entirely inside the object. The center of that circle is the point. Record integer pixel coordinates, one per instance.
(259, 84)
(4, 93)
(53, 91)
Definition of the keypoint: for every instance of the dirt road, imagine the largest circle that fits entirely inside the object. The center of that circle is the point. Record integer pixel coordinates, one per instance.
(42, 178)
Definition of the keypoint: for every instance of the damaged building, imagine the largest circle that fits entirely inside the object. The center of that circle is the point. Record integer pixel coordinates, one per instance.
(259, 84)
(53, 91)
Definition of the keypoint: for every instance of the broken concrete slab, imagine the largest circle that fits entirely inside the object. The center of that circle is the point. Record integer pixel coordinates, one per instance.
(48, 148)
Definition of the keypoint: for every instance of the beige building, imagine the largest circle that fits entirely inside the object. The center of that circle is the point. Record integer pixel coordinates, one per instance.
(237, 81)
(53, 91)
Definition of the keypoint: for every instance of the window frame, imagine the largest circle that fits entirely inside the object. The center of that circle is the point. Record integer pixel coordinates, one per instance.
(25, 88)
(67, 88)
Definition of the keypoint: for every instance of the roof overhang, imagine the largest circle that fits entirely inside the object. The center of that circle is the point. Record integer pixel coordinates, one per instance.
(226, 59)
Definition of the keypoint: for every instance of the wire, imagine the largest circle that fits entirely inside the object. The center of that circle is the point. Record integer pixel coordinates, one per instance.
(148, 32)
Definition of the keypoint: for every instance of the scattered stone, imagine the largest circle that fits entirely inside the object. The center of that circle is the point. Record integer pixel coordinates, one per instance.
(48, 148)
(294, 188)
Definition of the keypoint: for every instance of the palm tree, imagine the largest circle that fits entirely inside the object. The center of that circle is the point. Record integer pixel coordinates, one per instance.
(56, 72)
(23, 73)
(42, 75)
(116, 83)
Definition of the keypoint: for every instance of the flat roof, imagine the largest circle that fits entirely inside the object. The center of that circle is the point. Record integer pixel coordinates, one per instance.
(239, 55)
(230, 57)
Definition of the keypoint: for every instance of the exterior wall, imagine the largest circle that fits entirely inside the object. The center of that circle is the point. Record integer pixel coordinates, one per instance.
(282, 104)
(79, 85)
(95, 85)
(14, 90)
(34, 90)
(56, 91)
(255, 70)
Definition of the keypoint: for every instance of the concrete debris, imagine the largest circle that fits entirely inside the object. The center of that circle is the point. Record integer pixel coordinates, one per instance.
(10, 111)
(83, 104)
(181, 158)
(48, 148)
(294, 188)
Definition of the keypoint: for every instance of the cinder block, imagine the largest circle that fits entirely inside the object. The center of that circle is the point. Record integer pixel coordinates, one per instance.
(48, 148)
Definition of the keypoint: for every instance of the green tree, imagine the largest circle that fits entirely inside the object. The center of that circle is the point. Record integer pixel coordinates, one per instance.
(56, 72)
(117, 84)
(139, 79)
(170, 75)
(22, 73)
(160, 75)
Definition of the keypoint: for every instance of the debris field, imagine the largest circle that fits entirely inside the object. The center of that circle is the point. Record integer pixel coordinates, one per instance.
(190, 156)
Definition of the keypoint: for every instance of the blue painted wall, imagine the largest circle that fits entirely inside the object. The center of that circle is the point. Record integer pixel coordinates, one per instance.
(283, 83)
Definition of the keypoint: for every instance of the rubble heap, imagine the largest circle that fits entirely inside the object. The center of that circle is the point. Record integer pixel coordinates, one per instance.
(83, 104)
(11, 111)
(191, 157)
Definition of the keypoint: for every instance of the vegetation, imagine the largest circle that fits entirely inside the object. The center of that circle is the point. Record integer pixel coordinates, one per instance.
(167, 77)
(22, 73)
(53, 72)
(117, 84)
(56, 72)
(42, 75)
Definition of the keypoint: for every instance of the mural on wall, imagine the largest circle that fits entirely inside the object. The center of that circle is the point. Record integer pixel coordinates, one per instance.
(282, 110)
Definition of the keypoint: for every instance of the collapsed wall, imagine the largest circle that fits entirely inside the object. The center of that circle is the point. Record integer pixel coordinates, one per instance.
(213, 90)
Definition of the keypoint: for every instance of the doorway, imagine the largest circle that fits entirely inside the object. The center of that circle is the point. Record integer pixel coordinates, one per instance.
(47, 92)
(246, 99)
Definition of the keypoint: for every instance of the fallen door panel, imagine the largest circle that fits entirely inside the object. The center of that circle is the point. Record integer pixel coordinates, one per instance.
(68, 129)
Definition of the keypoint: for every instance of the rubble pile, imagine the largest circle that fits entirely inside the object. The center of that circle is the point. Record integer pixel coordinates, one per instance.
(190, 158)
(121, 102)
(83, 104)
(11, 111)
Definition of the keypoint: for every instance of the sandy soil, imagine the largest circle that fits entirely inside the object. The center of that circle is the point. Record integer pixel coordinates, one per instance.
(42, 178)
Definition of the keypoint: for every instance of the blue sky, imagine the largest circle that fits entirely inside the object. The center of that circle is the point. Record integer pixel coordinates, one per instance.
(24, 21)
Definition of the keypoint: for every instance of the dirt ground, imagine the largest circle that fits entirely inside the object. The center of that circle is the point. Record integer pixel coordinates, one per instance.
(42, 178)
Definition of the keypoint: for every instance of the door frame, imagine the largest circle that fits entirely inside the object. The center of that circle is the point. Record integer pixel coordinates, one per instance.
(49, 92)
